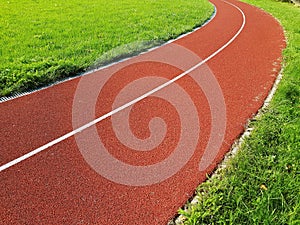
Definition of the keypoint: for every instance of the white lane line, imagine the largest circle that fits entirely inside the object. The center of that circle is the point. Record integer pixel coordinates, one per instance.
(64, 137)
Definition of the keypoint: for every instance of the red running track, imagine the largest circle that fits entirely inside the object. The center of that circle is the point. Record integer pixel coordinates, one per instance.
(95, 177)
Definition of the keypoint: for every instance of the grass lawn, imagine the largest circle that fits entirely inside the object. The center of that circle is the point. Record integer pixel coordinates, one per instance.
(261, 185)
(44, 41)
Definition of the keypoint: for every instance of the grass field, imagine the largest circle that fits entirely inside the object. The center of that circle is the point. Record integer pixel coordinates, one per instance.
(261, 185)
(44, 41)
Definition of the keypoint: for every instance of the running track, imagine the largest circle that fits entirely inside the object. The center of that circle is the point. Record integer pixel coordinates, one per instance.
(58, 185)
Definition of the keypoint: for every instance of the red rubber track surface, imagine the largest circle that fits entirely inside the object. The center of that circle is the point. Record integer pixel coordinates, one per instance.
(57, 186)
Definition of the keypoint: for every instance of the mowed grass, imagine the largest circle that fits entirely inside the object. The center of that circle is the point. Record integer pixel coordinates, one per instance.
(44, 41)
(261, 185)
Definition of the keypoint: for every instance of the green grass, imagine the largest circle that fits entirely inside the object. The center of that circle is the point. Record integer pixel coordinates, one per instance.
(261, 184)
(44, 41)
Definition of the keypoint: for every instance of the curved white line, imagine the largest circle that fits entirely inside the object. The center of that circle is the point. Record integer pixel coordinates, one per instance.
(70, 134)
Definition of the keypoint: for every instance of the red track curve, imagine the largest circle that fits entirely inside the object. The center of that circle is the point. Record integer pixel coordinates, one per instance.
(57, 186)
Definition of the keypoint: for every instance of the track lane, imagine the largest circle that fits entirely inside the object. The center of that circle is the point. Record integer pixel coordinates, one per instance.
(57, 186)
(203, 48)
(130, 102)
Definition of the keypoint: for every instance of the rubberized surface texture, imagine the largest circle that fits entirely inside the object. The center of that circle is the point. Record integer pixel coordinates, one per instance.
(141, 163)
